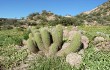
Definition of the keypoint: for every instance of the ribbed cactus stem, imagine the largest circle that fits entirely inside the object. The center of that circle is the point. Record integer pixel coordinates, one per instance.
(32, 46)
(74, 45)
(45, 35)
(53, 49)
(57, 35)
(31, 35)
(29, 29)
(33, 29)
(38, 39)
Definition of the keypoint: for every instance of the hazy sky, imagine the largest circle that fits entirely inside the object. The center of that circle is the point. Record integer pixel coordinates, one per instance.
(21, 8)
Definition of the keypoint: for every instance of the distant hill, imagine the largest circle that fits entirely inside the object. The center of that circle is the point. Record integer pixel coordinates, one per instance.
(100, 15)
(49, 18)
(38, 18)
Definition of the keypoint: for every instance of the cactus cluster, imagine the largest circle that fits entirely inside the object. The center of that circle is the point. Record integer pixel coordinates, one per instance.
(50, 41)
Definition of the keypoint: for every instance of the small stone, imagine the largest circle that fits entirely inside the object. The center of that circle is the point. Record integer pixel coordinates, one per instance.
(65, 27)
(104, 46)
(74, 59)
(75, 28)
(85, 41)
(71, 33)
(98, 39)
(24, 42)
(81, 52)
(99, 44)
(65, 45)
(65, 33)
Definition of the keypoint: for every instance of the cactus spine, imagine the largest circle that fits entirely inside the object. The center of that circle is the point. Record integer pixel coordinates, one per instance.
(38, 39)
(53, 49)
(30, 35)
(74, 45)
(57, 35)
(32, 45)
(45, 35)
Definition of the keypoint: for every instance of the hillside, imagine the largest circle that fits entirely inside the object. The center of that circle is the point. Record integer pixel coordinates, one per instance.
(49, 18)
(100, 14)
(45, 18)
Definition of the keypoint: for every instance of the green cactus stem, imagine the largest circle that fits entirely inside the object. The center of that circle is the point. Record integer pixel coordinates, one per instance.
(32, 46)
(38, 39)
(53, 49)
(57, 35)
(74, 45)
(45, 35)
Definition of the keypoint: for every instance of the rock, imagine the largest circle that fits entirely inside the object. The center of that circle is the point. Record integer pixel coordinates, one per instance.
(74, 59)
(42, 53)
(81, 52)
(65, 33)
(82, 31)
(18, 47)
(75, 28)
(85, 41)
(98, 39)
(104, 46)
(70, 35)
(65, 45)
(24, 42)
(1, 58)
(65, 27)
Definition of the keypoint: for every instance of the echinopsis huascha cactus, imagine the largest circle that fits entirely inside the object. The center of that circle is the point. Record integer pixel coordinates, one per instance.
(32, 46)
(38, 40)
(57, 35)
(50, 42)
(74, 45)
(53, 49)
(45, 35)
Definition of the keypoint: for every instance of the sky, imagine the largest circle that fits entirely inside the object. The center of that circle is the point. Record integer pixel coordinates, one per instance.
(22, 8)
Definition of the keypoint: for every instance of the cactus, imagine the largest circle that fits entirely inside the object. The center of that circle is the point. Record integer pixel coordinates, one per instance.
(53, 49)
(33, 29)
(45, 35)
(74, 45)
(57, 35)
(31, 35)
(32, 46)
(51, 42)
(29, 30)
(38, 39)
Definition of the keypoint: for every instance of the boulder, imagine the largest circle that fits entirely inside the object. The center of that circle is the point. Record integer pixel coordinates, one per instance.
(98, 40)
(65, 45)
(65, 33)
(74, 59)
(85, 41)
